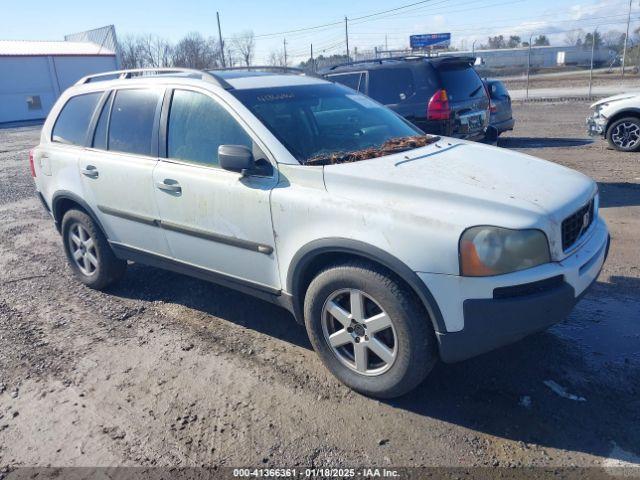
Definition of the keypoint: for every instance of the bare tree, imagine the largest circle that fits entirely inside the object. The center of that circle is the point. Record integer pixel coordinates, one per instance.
(194, 51)
(156, 52)
(574, 37)
(245, 45)
(276, 58)
(131, 54)
(613, 40)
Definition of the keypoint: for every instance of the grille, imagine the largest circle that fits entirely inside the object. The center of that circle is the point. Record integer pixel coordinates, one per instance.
(575, 225)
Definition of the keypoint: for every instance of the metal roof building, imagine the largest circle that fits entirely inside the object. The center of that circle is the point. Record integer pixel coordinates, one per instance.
(34, 73)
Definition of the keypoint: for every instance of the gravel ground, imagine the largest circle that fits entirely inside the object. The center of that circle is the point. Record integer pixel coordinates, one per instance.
(165, 370)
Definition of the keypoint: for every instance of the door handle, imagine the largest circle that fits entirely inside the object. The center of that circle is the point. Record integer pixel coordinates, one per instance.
(90, 171)
(170, 185)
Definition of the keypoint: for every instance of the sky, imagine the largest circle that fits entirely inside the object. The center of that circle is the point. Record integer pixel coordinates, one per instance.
(467, 20)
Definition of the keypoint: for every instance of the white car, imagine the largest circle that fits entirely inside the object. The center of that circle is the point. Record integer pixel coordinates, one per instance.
(617, 119)
(265, 183)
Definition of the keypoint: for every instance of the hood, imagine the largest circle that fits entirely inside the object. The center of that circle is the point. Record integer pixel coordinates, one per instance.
(615, 98)
(484, 184)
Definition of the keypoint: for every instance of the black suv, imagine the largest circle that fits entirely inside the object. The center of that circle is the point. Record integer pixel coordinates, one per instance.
(441, 95)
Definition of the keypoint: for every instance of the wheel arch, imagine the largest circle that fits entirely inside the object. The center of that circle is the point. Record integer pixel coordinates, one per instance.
(312, 257)
(64, 201)
(627, 112)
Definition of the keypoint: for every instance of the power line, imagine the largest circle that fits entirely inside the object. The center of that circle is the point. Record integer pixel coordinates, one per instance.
(339, 22)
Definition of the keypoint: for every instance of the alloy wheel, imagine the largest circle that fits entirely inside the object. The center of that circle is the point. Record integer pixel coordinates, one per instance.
(83, 249)
(359, 332)
(626, 135)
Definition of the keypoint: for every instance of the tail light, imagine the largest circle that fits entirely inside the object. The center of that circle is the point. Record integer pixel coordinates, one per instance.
(31, 165)
(438, 107)
(492, 107)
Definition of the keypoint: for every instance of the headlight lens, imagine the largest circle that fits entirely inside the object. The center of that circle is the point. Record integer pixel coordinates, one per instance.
(486, 250)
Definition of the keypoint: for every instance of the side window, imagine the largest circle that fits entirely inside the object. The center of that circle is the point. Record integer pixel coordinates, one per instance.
(198, 125)
(391, 85)
(131, 126)
(351, 80)
(73, 121)
(100, 134)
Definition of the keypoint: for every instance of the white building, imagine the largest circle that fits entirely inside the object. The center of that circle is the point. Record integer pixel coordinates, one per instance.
(541, 57)
(33, 74)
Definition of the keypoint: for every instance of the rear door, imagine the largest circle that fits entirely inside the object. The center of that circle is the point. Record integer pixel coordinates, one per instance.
(214, 219)
(394, 87)
(117, 169)
(467, 98)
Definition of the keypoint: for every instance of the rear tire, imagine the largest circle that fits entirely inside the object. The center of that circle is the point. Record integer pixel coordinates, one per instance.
(88, 252)
(398, 356)
(624, 134)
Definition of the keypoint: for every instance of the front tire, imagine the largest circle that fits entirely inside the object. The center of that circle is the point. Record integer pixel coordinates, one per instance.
(88, 252)
(369, 329)
(624, 134)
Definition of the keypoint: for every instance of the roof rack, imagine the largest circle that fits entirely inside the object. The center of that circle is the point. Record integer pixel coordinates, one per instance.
(408, 58)
(149, 72)
(275, 68)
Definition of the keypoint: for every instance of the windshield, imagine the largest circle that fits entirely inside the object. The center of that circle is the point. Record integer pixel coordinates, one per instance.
(461, 82)
(318, 121)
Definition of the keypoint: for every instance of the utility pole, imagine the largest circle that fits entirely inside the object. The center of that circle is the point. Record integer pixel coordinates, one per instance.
(346, 35)
(386, 42)
(313, 65)
(529, 65)
(626, 39)
(593, 48)
(224, 65)
(284, 43)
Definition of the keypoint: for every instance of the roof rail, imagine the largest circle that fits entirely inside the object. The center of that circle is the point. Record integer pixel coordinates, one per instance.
(275, 68)
(408, 58)
(148, 72)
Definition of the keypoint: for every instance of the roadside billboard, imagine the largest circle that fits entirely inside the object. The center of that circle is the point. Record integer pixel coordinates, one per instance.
(430, 40)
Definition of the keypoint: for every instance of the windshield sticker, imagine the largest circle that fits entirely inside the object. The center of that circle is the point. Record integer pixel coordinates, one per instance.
(366, 102)
(273, 97)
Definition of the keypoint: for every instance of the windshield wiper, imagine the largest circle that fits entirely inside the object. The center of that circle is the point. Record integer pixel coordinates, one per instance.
(475, 91)
(391, 146)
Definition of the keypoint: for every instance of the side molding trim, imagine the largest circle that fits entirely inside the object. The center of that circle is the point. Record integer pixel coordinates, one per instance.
(194, 232)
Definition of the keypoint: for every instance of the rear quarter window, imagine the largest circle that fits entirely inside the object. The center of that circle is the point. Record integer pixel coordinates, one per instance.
(72, 123)
(391, 85)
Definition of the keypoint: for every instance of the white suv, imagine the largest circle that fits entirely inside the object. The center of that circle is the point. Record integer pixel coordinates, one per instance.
(617, 119)
(310, 195)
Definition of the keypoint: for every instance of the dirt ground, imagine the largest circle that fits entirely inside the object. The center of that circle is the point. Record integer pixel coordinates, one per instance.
(577, 79)
(165, 370)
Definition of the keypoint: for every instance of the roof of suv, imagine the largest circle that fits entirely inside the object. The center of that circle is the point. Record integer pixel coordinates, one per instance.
(229, 79)
(410, 61)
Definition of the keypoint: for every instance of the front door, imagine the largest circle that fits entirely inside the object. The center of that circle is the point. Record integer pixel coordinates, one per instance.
(212, 218)
(117, 170)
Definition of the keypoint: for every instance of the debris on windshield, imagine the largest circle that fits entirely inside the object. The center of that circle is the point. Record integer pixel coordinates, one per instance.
(561, 391)
(394, 145)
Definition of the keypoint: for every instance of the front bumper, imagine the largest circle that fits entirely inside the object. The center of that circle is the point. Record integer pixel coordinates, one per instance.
(596, 125)
(485, 313)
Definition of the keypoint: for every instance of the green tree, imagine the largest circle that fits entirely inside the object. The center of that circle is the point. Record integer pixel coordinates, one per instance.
(497, 42)
(590, 38)
(541, 41)
(514, 41)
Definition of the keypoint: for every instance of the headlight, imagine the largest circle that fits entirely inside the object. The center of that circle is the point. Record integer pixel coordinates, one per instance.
(486, 250)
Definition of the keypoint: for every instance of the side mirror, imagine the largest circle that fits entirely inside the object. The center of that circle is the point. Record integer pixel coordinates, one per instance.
(236, 158)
